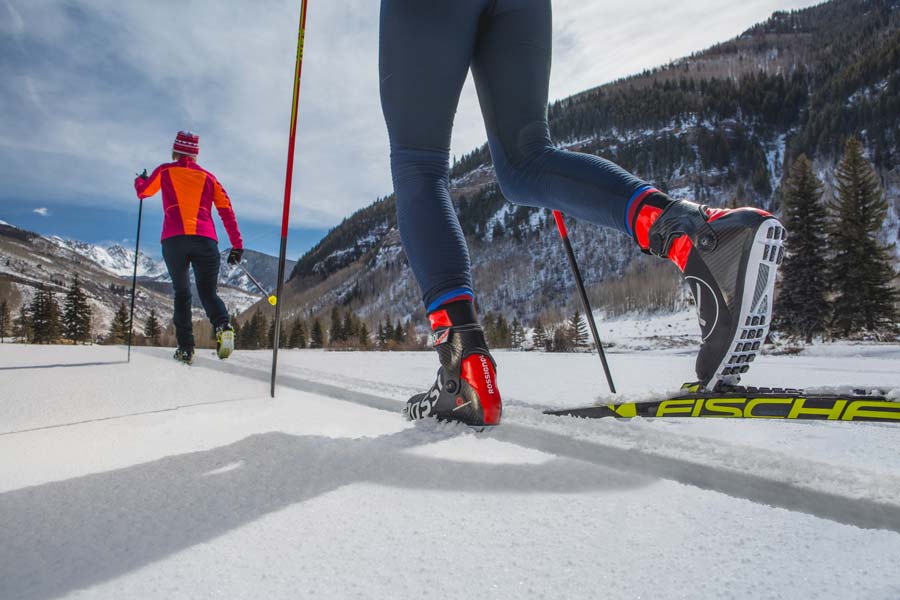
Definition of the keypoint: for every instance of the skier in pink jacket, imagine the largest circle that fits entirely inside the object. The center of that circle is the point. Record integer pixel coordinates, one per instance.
(189, 239)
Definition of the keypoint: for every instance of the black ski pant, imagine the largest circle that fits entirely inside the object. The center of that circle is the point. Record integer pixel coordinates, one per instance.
(181, 252)
(426, 50)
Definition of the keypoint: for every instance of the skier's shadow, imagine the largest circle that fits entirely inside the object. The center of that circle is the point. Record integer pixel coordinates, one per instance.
(67, 535)
(65, 365)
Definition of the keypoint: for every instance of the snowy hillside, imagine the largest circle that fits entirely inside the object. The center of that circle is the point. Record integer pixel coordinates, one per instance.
(719, 127)
(263, 267)
(156, 480)
(29, 260)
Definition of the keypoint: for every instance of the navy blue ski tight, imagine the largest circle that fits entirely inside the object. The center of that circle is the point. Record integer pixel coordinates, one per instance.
(426, 49)
(181, 252)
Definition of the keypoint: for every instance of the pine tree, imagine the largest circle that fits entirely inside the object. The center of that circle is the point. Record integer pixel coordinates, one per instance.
(298, 335)
(578, 331)
(302, 340)
(76, 321)
(561, 339)
(381, 336)
(118, 331)
(283, 338)
(37, 314)
(237, 332)
(250, 333)
(350, 326)
(44, 317)
(152, 330)
(335, 332)
(398, 333)
(363, 336)
(409, 336)
(54, 318)
(22, 325)
(802, 308)
(262, 331)
(5, 319)
(497, 335)
(489, 326)
(516, 333)
(538, 336)
(317, 336)
(861, 270)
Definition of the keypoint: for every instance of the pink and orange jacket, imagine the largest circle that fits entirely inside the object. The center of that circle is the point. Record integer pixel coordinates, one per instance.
(188, 194)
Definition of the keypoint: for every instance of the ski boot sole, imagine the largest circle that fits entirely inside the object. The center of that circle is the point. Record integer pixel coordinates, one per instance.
(225, 345)
(755, 318)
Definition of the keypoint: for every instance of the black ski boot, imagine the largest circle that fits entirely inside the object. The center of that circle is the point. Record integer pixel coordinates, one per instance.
(729, 258)
(185, 355)
(466, 386)
(224, 341)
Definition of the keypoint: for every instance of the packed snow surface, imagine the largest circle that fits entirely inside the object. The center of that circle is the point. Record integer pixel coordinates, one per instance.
(151, 479)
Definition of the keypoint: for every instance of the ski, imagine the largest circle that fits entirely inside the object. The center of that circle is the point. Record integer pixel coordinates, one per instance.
(751, 403)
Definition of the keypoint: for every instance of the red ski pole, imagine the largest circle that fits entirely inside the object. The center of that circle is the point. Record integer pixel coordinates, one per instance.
(579, 283)
(287, 191)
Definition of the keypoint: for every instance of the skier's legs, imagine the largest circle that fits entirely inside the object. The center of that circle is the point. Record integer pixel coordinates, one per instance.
(205, 260)
(175, 251)
(511, 66)
(426, 48)
(424, 56)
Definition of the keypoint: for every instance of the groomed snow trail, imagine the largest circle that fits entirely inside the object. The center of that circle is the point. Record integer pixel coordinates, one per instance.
(151, 480)
(857, 496)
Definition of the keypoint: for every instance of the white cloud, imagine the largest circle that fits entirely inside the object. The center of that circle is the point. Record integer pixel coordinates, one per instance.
(123, 77)
(43, 211)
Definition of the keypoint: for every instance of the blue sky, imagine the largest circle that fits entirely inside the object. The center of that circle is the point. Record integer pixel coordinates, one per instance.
(94, 91)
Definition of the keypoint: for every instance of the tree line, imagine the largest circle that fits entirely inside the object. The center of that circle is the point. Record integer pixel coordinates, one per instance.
(44, 321)
(345, 330)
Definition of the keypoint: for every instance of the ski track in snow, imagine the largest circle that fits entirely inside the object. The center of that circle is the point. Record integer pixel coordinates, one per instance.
(860, 497)
(130, 480)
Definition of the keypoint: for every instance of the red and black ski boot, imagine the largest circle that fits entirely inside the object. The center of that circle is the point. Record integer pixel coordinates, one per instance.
(466, 386)
(728, 258)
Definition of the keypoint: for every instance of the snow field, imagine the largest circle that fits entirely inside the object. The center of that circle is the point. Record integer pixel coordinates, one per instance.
(197, 485)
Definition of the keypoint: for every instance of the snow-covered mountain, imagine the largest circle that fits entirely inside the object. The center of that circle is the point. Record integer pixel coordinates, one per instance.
(29, 260)
(119, 260)
(115, 258)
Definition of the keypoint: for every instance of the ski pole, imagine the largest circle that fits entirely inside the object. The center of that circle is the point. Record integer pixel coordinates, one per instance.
(272, 298)
(285, 215)
(137, 249)
(579, 282)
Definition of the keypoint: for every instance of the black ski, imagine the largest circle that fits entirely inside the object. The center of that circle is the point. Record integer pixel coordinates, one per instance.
(751, 403)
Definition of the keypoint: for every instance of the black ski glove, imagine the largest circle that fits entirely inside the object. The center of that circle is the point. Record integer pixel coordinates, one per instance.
(234, 256)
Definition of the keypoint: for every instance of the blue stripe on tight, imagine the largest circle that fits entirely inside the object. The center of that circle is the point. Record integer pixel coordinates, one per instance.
(634, 197)
(451, 294)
